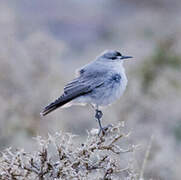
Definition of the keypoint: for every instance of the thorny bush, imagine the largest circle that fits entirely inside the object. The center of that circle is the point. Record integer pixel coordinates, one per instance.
(61, 157)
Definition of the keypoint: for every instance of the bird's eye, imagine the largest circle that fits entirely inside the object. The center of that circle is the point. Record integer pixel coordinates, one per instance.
(113, 55)
(118, 54)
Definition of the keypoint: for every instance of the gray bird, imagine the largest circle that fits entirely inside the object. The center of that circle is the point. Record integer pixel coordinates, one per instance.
(99, 83)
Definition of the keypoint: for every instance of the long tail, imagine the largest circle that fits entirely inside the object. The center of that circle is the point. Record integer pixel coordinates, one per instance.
(62, 100)
(65, 98)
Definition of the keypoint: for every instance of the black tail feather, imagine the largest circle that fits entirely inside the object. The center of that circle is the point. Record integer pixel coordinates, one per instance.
(65, 98)
(54, 105)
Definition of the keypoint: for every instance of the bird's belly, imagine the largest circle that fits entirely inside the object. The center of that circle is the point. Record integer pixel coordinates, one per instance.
(110, 95)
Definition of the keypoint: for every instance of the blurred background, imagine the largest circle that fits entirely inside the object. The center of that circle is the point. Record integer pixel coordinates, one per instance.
(43, 42)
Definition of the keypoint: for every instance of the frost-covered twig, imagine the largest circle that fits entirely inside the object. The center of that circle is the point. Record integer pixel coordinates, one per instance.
(61, 157)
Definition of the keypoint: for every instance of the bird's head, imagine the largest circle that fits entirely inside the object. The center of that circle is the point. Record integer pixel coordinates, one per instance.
(113, 56)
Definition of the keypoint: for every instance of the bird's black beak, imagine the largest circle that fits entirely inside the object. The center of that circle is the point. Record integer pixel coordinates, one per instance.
(125, 57)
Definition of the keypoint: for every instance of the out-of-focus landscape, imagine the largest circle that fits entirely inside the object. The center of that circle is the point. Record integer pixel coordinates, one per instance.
(43, 42)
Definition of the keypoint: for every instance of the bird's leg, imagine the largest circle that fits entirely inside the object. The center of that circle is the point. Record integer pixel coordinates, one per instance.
(98, 116)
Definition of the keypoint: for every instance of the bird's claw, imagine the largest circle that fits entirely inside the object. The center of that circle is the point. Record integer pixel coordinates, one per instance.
(104, 129)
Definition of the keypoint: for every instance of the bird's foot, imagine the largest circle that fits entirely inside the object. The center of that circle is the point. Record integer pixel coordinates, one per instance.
(99, 114)
(104, 129)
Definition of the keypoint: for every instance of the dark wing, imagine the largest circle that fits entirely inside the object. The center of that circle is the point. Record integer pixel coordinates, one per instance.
(88, 80)
(78, 87)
